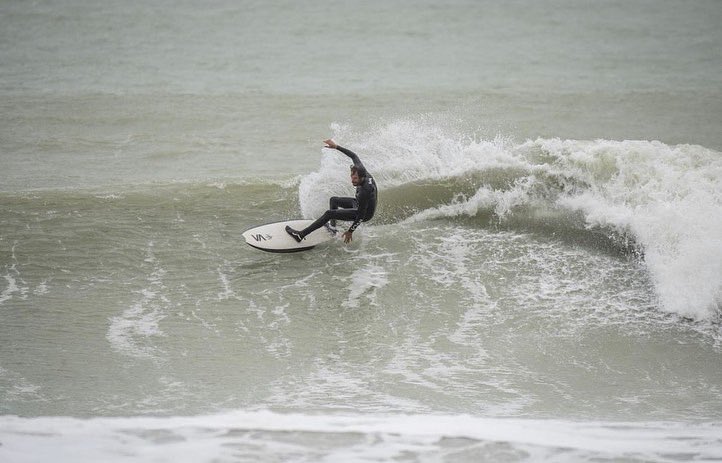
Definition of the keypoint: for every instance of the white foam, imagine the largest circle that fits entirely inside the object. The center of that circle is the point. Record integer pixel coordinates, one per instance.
(333, 385)
(19, 387)
(227, 292)
(365, 282)
(129, 332)
(41, 288)
(355, 437)
(10, 289)
(11, 277)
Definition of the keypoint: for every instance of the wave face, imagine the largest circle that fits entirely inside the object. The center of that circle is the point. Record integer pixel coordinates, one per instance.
(663, 202)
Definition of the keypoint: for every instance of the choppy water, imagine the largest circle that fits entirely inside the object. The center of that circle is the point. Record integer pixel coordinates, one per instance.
(542, 281)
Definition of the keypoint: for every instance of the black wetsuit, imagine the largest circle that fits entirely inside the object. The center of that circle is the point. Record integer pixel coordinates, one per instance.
(358, 209)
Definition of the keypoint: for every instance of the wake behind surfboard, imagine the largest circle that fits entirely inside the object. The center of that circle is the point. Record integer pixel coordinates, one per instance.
(272, 237)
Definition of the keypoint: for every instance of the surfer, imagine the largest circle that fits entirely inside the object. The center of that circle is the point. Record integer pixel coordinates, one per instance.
(358, 209)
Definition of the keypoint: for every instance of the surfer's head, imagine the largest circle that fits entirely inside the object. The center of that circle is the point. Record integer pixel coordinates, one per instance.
(358, 174)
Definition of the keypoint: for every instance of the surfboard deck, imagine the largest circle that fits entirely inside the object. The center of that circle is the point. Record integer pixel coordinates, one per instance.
(272, 237)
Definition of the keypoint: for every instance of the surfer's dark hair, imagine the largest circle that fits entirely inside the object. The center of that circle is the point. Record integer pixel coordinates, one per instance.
(360, 171)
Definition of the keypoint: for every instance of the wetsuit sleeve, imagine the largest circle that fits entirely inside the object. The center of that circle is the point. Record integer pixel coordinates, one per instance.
(356, 161)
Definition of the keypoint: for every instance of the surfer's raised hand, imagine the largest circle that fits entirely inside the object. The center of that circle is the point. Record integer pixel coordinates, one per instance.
(330, 144)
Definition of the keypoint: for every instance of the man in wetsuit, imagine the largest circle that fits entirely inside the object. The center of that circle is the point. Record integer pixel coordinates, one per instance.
(358, 209)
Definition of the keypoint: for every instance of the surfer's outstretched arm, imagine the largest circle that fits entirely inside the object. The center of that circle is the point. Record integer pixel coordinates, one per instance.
(354, 157)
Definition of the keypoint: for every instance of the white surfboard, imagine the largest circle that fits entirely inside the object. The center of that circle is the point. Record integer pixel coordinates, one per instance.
(272, 237)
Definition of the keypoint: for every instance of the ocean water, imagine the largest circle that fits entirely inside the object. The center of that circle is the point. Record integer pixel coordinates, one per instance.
(542, 280)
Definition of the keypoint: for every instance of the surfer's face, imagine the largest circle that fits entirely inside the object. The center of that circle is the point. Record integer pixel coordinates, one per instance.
(355, 180)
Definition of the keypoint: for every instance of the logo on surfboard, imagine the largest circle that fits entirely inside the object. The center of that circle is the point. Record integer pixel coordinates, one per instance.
(261, 237)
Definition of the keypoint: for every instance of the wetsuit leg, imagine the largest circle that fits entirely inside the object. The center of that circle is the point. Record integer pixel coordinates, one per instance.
(347, 203)
(331, 214)
(341, 202)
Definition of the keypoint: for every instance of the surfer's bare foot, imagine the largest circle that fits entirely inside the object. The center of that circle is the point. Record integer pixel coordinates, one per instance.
(294, 233)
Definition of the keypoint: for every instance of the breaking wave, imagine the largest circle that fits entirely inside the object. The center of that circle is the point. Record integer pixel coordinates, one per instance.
(664, 202)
